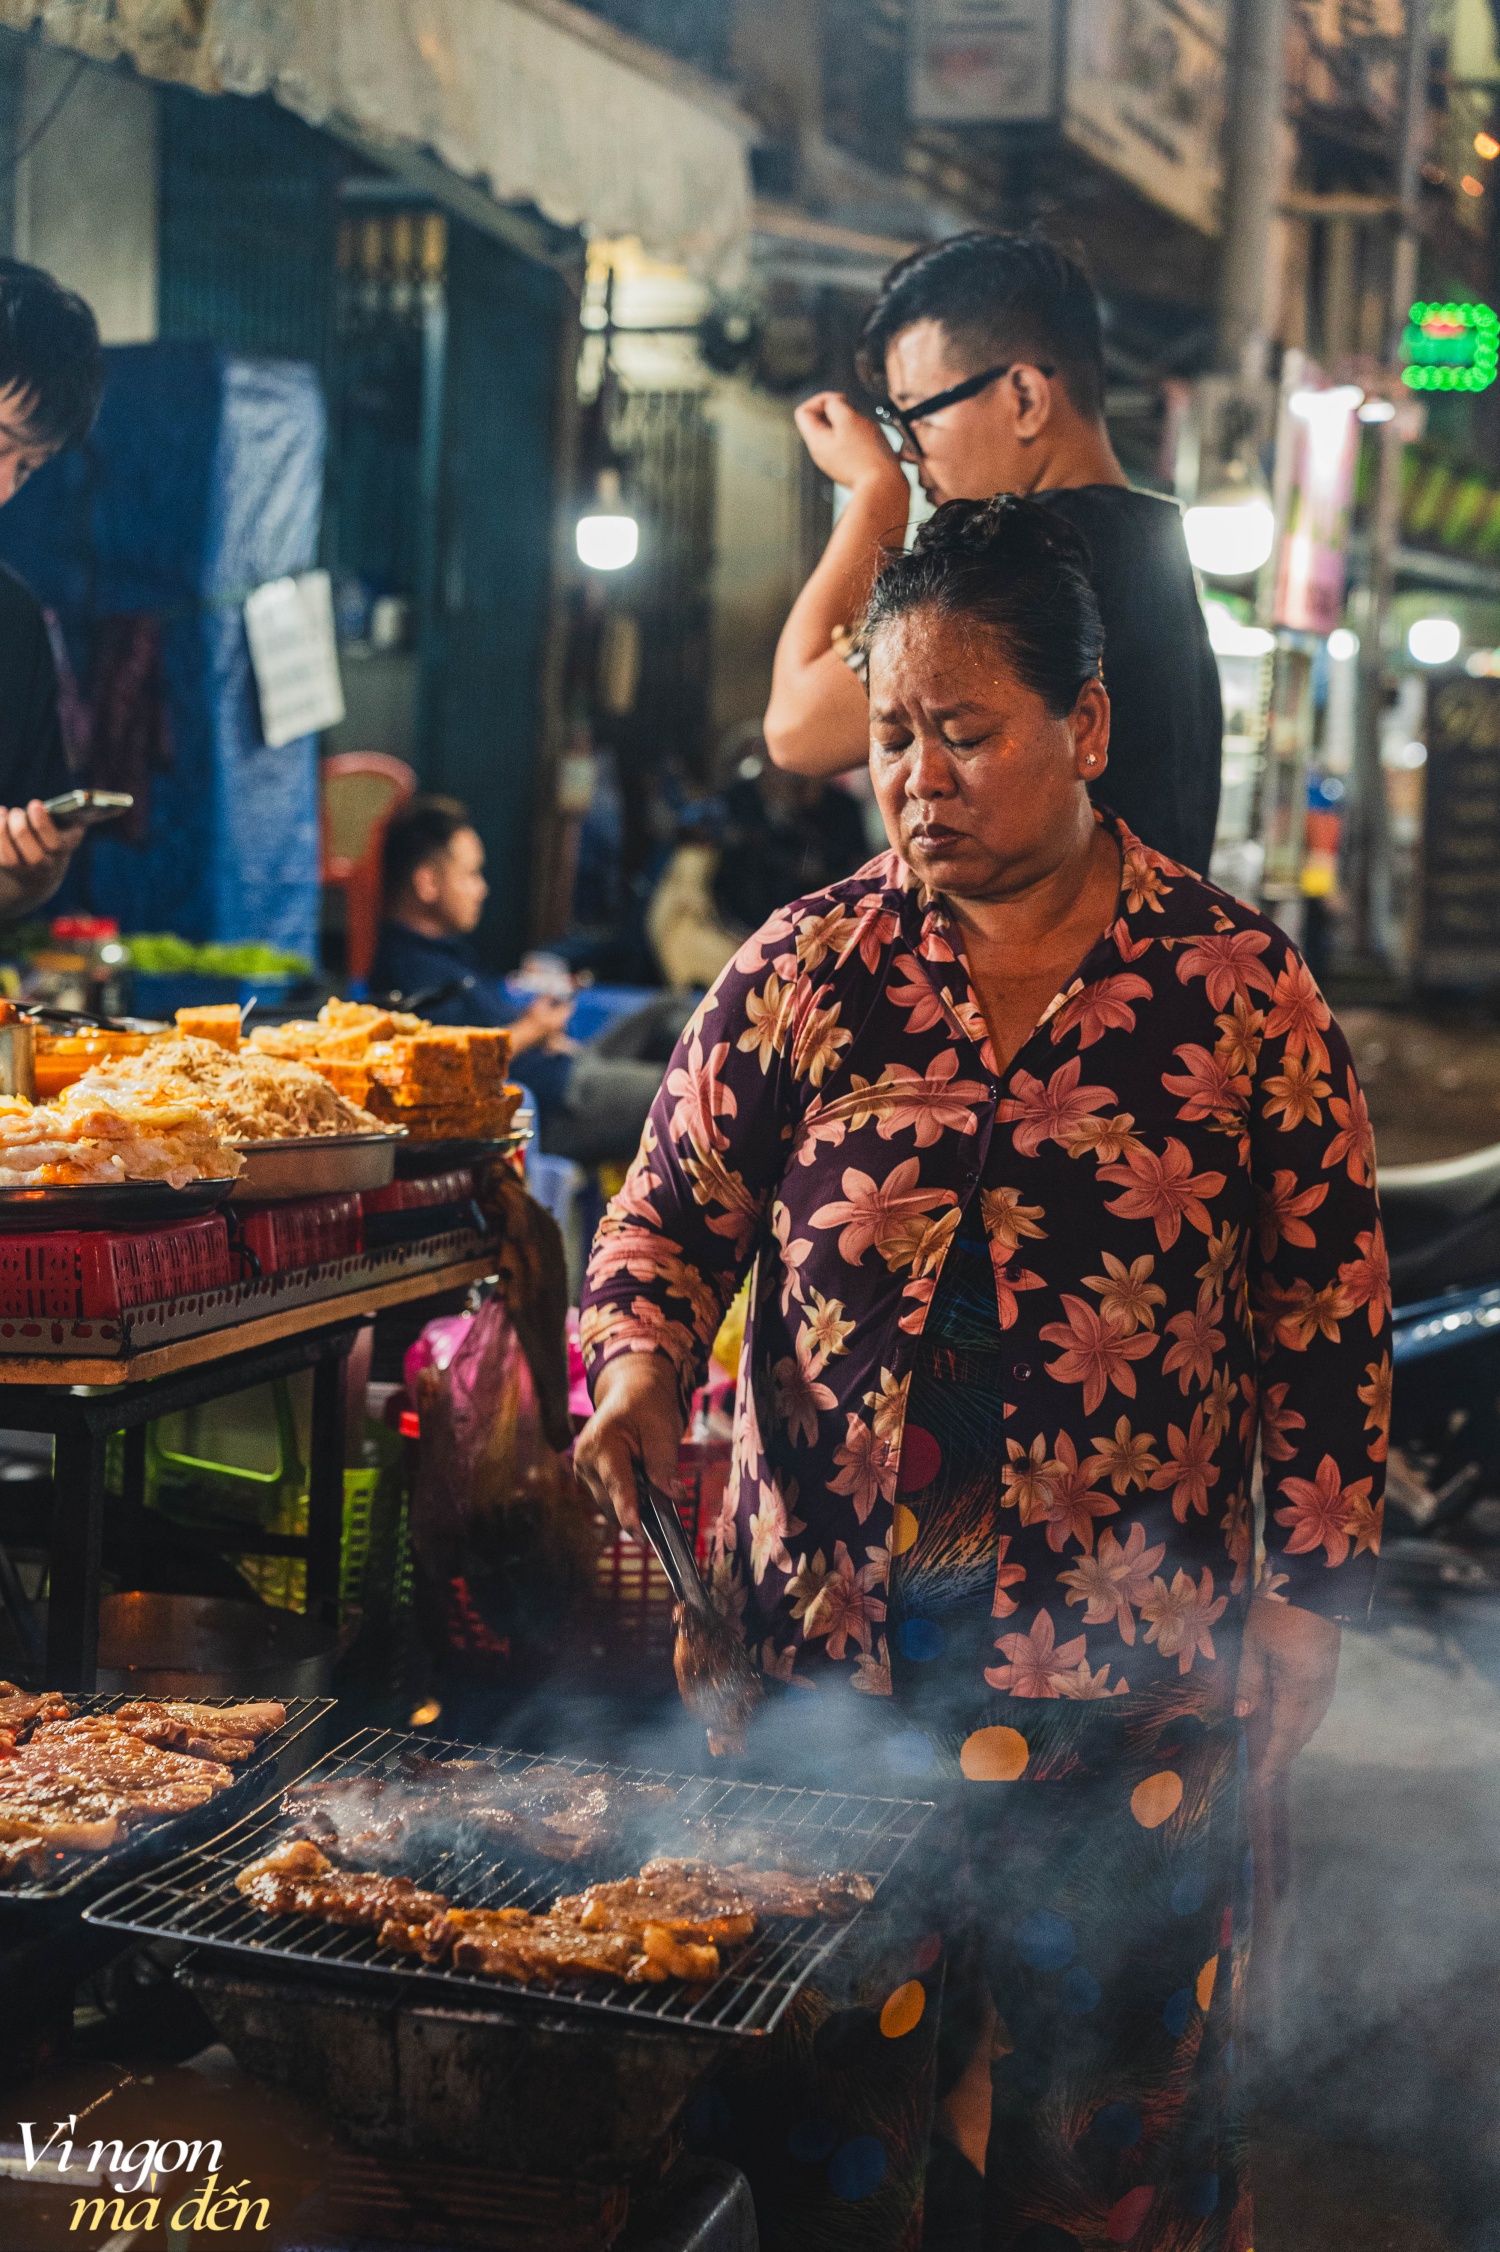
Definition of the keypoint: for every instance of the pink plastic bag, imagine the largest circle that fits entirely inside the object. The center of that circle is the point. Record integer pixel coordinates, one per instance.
(435, 1347)
(500, 1528)
(579, 1403)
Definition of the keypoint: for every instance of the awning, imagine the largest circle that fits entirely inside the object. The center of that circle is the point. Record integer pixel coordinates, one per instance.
(537, 100)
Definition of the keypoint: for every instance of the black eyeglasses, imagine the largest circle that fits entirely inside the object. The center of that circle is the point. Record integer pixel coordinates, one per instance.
(903, 418)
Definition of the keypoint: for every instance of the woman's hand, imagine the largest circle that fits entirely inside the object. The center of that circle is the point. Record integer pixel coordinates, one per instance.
(1288, 1666)
(637, 1419)
(845, 444)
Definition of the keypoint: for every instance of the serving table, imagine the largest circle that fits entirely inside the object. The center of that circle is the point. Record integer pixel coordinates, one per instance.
(84, 1380)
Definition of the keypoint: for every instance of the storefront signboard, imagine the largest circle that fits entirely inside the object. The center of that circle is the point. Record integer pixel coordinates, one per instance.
(1143, 94)
(1451, 347)
(983, 62)
(1460, 926)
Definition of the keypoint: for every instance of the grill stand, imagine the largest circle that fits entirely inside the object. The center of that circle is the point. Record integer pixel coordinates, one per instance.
(480, 2087)
(488, 2127)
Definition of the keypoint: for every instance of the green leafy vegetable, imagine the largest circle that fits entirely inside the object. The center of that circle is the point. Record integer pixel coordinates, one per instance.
(161, 954)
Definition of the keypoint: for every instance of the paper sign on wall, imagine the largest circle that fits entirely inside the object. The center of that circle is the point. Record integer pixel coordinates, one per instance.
(295, 656)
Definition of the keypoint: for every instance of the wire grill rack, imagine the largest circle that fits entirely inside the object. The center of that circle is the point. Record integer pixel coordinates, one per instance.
(68, 1874)
(193, 1898)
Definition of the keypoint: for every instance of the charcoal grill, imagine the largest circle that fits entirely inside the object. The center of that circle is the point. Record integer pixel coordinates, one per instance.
(69, 1874)
(192, 1898)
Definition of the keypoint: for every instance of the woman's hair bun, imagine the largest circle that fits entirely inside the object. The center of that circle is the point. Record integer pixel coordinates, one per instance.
(1006, 525)
(1020, 567)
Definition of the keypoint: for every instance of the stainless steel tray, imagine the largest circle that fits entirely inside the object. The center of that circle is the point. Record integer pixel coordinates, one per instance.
(314, 1165)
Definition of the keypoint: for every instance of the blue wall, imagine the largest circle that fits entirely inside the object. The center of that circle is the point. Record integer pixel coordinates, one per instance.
(202, 479)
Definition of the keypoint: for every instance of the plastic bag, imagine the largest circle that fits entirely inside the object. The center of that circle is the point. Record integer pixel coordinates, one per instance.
(501, 1530)
(435, 1347)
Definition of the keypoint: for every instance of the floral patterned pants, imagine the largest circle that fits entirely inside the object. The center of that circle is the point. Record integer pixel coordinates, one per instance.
(1103, 1909)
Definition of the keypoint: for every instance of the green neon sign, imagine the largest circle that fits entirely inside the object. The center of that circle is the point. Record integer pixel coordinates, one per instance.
(1451, 347)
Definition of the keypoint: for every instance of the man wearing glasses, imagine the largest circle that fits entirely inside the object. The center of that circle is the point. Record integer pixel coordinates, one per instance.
(986, 351)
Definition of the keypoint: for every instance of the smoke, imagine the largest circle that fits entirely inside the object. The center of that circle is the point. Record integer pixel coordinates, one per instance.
(1379, 1982)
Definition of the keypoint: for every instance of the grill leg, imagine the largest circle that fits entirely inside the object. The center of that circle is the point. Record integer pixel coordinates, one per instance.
(325, 1481)
(77, 1544)
(133, 1505)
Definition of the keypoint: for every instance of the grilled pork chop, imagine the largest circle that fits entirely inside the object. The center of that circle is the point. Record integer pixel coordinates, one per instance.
(773, 1892)
(509, 1943)
(91, 1759)
(227, 1732)
(295, 1879)
(715, 1678)
(78, 1785)
(18, 1710)
(699, 1900)
(547, 1811)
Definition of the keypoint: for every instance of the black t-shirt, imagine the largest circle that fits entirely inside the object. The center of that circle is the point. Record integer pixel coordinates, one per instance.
(1166, 725)
(32, 764)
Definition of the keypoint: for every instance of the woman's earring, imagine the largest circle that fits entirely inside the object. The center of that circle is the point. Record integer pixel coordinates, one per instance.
(1091, 760)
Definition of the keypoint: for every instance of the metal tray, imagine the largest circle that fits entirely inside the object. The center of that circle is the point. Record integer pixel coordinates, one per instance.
(314, 1165)
(70, 1874)
(110, 1204)
(415, 1158)
(193, 1897)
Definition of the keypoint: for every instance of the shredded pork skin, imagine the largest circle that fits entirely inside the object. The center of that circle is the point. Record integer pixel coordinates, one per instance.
(247, 1096)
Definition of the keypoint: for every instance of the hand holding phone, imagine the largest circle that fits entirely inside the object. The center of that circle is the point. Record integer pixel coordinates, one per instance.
(34, 854)
(84, 809)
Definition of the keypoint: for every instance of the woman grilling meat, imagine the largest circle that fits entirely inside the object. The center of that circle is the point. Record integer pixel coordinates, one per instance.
(1059, 1191)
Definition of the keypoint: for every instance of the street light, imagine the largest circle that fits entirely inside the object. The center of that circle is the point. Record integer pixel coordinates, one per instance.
(1230, 531)
(609, 537)
(1343, 645)
(1434, 641)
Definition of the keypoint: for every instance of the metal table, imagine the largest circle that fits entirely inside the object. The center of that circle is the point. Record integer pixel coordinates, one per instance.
(83, 1402)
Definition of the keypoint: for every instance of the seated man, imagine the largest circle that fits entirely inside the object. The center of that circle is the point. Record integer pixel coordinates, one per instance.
(592, 1100)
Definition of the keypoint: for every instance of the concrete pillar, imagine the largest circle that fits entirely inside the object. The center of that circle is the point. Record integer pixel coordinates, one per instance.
(1340, 262)
(1252, 152)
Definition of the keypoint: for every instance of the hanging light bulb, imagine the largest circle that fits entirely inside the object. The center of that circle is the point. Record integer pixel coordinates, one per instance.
(609, 537)
(1434, 641)
(1230, 531)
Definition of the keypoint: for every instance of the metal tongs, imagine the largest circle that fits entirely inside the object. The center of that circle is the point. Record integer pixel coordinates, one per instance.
(669, 1544)
(717, 1682)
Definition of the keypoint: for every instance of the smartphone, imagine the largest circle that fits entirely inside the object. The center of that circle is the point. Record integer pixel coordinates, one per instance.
(81, 809)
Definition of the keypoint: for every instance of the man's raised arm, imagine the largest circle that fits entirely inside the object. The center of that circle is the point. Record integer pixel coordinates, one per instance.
(817, 721)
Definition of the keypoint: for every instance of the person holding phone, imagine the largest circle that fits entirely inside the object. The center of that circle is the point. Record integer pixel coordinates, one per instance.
(51, 380)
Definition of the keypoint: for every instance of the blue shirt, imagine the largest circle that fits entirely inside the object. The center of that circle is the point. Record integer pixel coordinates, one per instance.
(411, 964)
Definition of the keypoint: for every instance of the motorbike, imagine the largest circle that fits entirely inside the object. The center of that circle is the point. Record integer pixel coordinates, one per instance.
(1442, 1225)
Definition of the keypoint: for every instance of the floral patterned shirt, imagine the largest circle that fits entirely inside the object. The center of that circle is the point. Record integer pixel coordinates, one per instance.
(1176, 1179)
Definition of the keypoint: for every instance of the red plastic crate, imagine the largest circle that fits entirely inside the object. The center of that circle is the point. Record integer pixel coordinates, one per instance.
(455, 1187)
(92, 1273)
(304, 1234)
(633, 1600)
